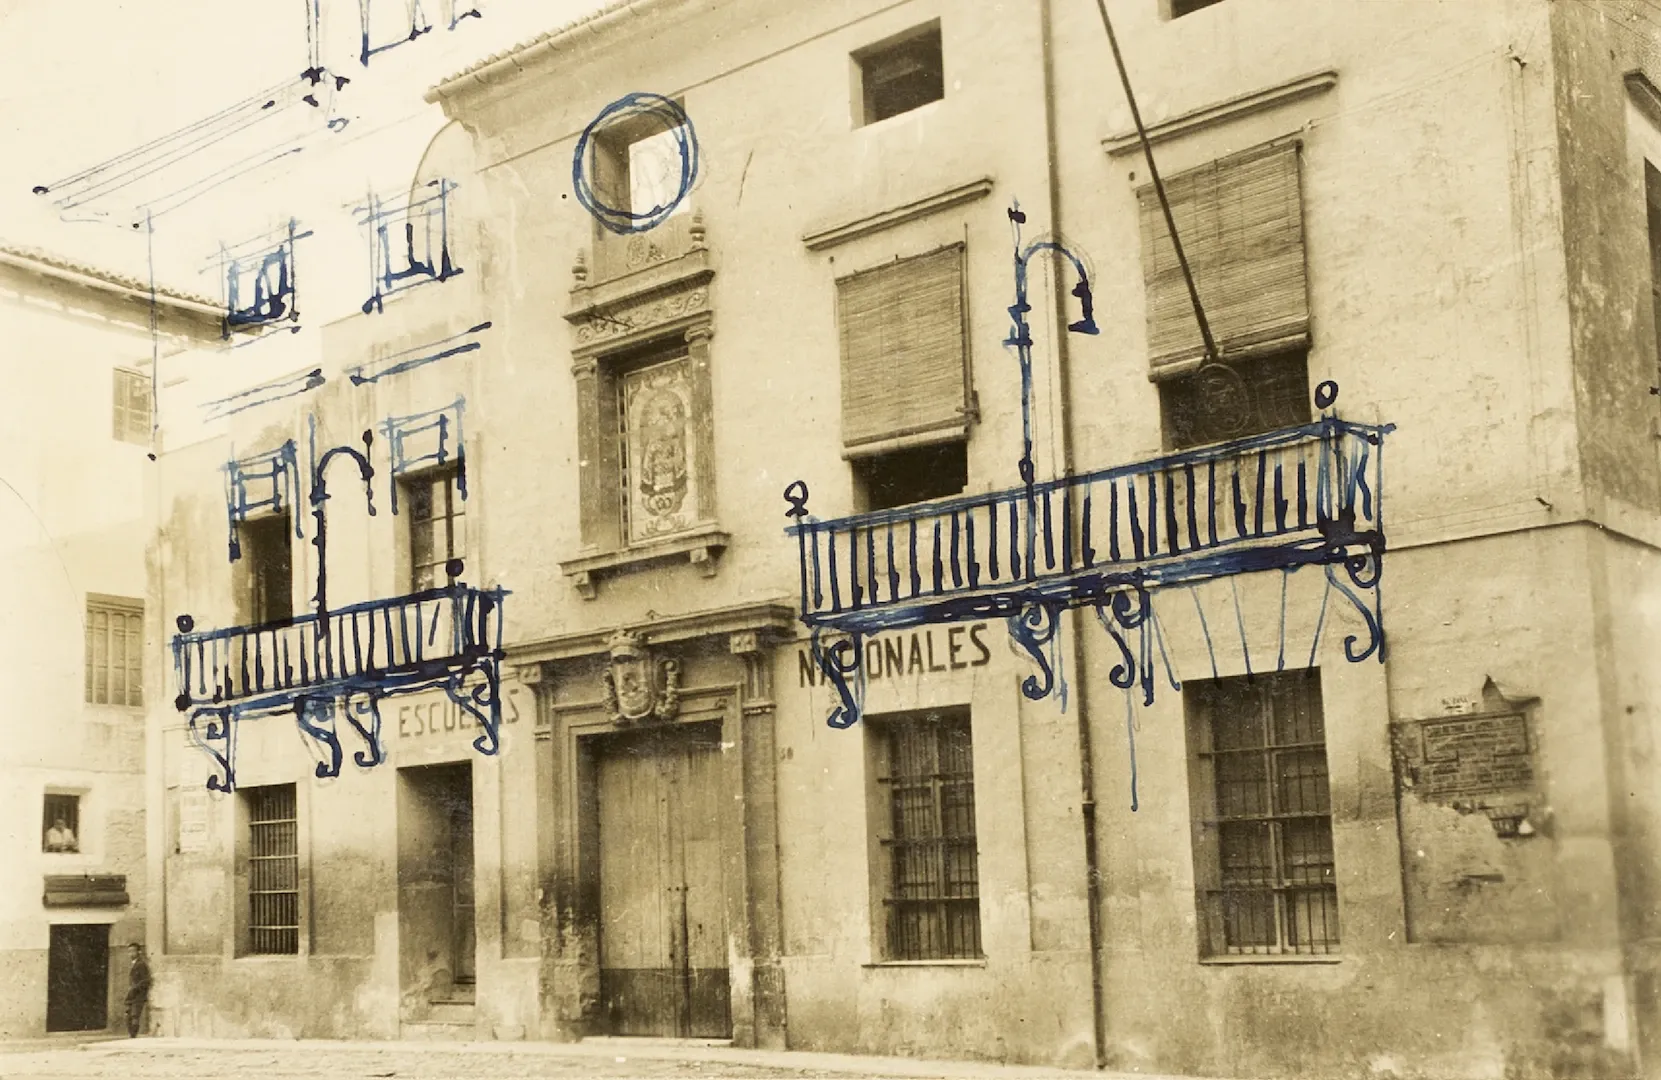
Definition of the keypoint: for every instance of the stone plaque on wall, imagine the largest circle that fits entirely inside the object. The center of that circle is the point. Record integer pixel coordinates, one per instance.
(1475, 865)
(1474, 763)
(193, 821)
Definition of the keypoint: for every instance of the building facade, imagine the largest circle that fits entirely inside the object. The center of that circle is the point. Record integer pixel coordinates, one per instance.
(796, 569)
(79, 356)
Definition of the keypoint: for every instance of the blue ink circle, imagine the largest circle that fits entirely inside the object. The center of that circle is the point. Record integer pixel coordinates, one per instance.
(622, 219)
(1326, 393)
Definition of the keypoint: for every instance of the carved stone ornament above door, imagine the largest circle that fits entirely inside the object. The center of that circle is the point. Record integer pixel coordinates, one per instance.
(639, 685)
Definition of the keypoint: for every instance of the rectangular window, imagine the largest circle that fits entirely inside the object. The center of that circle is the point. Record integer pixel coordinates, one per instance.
(1227, 401)
(114, 651)
(900, 74)
(913, 475)
(131, 412)
(1263, 815)
(1652, 197)
(273, 870)
(929, 866)
(61, 824)
(905, 371)
(637, 165)
(437, 525)
(1240, 220)
(265, 568)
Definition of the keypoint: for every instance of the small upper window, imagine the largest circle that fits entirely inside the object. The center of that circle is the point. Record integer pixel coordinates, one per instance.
(1179, 8)
(900, 74)
(131, 411)
(638, 166)
(61, 824)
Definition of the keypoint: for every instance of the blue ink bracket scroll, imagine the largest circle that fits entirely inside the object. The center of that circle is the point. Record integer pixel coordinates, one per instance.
(1309, 494)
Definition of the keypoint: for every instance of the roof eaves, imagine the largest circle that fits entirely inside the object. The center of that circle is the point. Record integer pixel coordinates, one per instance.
(494, 67)
(35, 259)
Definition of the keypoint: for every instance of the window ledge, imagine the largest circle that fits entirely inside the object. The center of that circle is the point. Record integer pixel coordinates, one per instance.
(980, 963)
(702, 547)
(843, 232)
(1236, 961)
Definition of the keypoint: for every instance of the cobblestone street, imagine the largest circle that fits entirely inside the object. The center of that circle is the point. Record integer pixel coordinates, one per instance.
(153, 1059)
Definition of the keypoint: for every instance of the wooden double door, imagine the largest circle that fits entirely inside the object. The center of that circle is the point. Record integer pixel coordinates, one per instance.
(663, 927)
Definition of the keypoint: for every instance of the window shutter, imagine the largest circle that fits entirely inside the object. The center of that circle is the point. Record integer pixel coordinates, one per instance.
(904, 369)
(1241, 224)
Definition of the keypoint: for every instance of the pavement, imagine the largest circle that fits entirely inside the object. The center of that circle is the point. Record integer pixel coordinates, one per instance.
(271, 1059)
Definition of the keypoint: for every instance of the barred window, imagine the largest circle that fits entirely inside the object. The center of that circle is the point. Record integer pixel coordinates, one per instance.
(273, 870)
(131, 406)
(437, 525)
(1263, 850)
(114, 651)
(930, 871)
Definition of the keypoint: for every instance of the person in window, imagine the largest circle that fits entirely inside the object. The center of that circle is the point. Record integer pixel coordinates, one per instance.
(60, 837)
(138, 990)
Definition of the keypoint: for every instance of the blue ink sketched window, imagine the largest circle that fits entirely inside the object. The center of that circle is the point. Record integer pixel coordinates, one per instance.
(409, 240)
(900, 74)
(130, 400)
(437, 525)
(928, 866)
(272, 850)
(114, 651)
(1263, 815)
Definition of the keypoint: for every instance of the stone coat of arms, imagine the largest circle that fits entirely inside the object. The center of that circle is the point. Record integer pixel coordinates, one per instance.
(639, 685)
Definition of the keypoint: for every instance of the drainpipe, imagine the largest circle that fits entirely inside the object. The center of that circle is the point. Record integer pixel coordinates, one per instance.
(1062, 421)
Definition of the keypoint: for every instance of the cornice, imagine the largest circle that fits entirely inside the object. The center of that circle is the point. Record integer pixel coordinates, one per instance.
(1223, 112)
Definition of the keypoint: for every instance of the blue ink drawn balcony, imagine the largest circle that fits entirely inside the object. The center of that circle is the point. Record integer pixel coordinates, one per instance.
(1305, 495)
(1302, 495)
(343, 661)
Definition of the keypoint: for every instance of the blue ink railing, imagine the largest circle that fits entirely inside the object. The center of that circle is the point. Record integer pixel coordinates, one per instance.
(1288, 498)
(343, 661)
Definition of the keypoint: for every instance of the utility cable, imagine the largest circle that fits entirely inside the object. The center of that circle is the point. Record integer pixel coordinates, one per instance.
(1159, 187)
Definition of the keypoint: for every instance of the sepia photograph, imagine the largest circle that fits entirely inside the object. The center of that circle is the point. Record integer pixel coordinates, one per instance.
(784, 539)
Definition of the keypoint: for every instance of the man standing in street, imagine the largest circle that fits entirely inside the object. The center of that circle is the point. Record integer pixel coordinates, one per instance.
(138, 990)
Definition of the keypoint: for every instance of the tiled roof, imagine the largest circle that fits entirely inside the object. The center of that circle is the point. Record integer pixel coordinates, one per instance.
(12, 252)
(551, 37)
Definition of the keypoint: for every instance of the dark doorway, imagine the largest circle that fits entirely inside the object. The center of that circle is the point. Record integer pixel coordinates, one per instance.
(663, 930)
(78, 978)
(435, 882)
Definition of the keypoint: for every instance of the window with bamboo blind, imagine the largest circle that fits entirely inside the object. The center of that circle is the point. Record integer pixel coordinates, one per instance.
(905, 376)
(1240, 220)
(114, 668)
